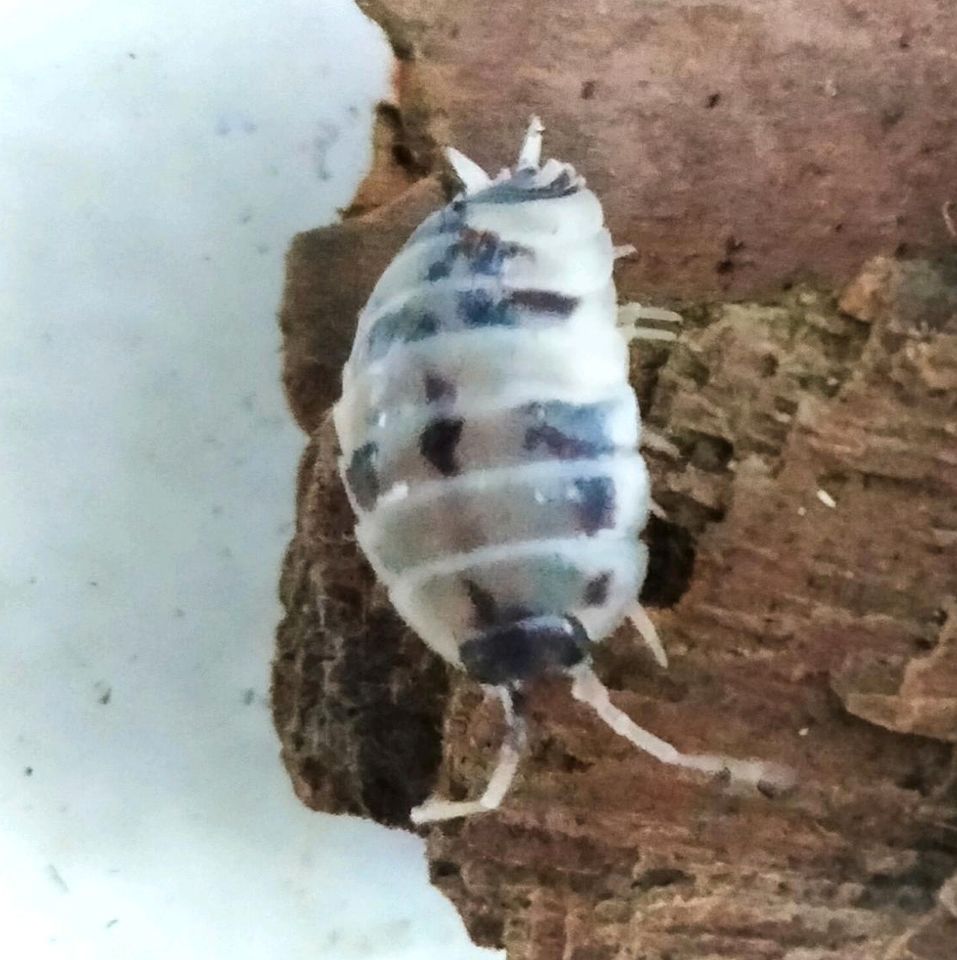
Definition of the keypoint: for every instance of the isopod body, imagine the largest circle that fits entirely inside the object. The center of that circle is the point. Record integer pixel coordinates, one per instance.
(489, 440)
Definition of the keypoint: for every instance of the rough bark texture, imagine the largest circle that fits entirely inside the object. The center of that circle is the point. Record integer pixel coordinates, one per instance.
(806, 580)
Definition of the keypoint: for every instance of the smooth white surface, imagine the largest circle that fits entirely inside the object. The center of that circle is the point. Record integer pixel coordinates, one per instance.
(155, 160)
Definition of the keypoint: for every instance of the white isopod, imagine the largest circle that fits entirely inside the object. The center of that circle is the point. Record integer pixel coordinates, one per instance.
(489, 442)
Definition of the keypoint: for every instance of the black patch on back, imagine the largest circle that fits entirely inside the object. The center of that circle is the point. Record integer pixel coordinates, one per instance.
(486, 252)
(438, 389)
(525, 649)
(596, 503)
(486, 609)
(438, 441)
(479, 308)
(440, 269)
(557, 443)
(405, 325)
(596, 590)
(568, 431)
(544, 301)
(488, 613)
(483, 250)
(361, 475)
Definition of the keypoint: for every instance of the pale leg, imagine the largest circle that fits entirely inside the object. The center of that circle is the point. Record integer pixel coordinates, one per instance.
(510, 754)
(642, 622)
(587, 688)
(629, 315)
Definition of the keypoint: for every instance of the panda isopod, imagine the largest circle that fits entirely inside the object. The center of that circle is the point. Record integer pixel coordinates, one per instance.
(489, 447)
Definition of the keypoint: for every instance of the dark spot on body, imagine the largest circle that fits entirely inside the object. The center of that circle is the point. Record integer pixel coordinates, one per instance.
(406, 325)
(439, 270)
(486, 252)
(362, 477)
(486, 609)
(595, 503)
(438, 441)
(596, 590)
(558, 444)
(543, 300)
(568, 430)
(438, 389)
(478, 308)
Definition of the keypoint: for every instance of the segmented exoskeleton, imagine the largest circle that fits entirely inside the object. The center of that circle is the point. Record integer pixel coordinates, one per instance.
(490, 440)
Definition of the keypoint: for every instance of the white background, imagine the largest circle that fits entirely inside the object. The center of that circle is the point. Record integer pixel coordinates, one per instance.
(155, 160)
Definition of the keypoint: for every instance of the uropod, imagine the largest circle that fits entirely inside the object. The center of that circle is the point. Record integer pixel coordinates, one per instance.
(489, 447)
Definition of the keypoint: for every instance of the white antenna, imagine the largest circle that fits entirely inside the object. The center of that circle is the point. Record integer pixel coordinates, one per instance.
(531, 153)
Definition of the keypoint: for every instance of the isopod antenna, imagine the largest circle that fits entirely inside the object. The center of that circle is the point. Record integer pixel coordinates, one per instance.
(509, 757)
(767, 777)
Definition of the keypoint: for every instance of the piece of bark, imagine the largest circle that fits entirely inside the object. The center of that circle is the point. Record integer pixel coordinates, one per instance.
(805, 578)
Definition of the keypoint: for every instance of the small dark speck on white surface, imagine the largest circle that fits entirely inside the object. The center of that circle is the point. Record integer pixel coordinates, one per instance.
(248, 696)
(325, 139)
(58, 880)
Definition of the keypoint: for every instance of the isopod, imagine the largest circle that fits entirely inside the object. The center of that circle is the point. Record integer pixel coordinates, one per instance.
(489, 440)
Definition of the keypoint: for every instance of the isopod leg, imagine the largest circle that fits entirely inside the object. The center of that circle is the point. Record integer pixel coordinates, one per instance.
(509, 757)
(768, 777)
(629, 315)
(642, 622)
